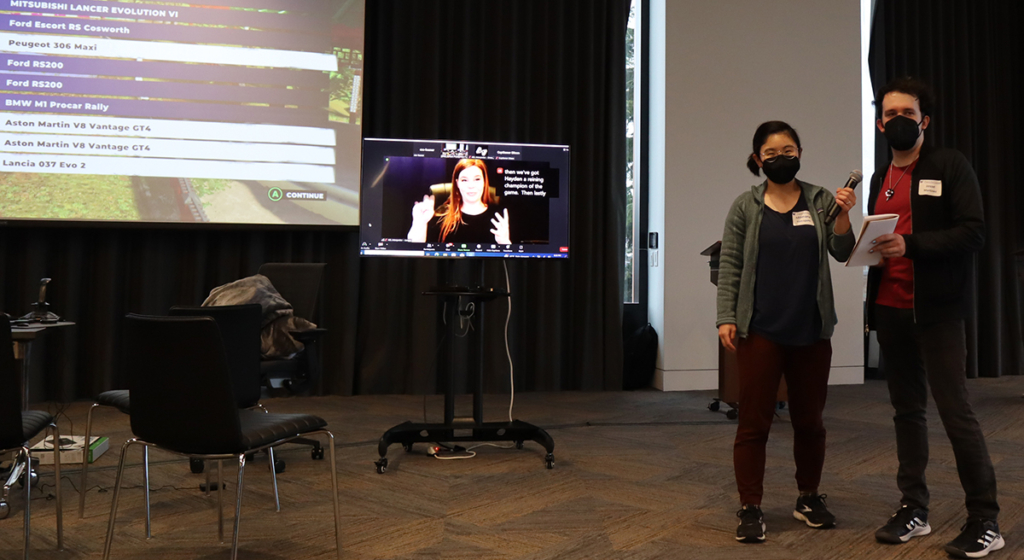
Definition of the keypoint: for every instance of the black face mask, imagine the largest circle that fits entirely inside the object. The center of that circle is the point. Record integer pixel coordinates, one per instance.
(781, 169)
(902, 133)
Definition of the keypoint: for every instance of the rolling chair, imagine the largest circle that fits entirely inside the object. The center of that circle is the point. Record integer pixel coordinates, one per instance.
(17, 427)
(299, 284)
(184, 403)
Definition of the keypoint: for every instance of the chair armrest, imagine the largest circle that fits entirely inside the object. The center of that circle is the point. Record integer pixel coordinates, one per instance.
(306, 337)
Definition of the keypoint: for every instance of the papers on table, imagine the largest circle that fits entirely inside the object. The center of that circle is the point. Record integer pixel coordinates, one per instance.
(871, 229)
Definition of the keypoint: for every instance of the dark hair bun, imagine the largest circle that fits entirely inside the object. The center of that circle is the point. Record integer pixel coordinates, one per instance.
(752, 166)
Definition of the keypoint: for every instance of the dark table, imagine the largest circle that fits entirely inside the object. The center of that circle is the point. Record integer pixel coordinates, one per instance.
(23, 337)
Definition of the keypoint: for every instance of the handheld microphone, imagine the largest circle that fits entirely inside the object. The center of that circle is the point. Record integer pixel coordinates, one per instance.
(851, 183)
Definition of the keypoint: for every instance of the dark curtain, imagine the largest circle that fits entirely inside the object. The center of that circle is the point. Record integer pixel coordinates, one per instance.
(99, 274)
(972, 54)
(535, 71)
(513, 71)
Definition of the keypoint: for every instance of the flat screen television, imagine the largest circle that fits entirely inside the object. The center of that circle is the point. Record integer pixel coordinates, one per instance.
(221, 111)
(457, 199)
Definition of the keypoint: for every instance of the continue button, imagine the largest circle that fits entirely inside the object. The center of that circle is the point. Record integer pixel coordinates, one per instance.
(305, 195)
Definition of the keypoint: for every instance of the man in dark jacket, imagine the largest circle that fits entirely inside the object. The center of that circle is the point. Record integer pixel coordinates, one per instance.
(918, 299)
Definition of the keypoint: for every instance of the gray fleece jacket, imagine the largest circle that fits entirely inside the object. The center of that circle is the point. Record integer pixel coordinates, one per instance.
(738, 267)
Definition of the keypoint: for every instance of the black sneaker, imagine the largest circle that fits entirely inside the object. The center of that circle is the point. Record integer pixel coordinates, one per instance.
(751, 528)
(812, 511)
(904, 525)
(977, 538)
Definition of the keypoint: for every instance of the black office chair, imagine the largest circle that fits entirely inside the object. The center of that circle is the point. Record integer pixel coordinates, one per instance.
(299, 284)
(17, 427)
(183, 402)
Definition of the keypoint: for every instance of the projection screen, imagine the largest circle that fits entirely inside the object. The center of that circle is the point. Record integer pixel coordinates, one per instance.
(228, 111)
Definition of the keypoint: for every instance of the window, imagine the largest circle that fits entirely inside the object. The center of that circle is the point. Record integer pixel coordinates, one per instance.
(632, 151)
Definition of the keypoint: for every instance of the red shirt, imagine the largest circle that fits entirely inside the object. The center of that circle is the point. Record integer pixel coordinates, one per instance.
(896, 288)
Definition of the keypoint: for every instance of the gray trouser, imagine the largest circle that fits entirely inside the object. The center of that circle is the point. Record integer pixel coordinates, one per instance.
(916, 356)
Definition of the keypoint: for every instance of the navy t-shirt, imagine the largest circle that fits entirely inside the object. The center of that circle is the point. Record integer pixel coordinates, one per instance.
(786, 290)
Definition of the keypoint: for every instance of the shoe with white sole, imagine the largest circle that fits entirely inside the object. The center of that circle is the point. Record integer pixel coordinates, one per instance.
(751, 527)
(977, 538)
(904, 525)
(812, 511)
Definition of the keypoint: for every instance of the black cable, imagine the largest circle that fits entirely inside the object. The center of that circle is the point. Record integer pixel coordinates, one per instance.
(508, 350)
(103, 489)
(60, 409)
(467, 318)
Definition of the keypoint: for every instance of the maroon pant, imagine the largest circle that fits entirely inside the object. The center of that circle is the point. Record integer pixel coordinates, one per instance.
(762, 363)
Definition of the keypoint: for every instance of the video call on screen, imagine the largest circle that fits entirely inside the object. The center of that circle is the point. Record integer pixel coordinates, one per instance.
(224, 111)
(528, 191)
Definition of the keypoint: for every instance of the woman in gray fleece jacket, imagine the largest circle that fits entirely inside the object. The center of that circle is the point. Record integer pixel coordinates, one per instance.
(776, 311)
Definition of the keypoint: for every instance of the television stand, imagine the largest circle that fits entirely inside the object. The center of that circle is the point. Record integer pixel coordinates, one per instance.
(463, 429)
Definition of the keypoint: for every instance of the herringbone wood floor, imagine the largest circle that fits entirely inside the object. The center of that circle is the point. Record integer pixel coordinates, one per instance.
(639, 475)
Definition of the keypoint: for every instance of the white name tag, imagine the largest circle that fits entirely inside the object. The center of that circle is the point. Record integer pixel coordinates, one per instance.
(802, 218)
(930, 188)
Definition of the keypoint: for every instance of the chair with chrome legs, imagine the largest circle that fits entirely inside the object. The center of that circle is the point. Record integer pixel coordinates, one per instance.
(121, 400)
(240, 329)
(182, 402)
(17, 427)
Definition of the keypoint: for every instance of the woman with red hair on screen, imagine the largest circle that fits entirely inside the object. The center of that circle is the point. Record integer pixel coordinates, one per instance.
(467, 216)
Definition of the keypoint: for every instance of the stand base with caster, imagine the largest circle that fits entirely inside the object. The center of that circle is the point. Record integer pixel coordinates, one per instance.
(516, 431)
(474, 429)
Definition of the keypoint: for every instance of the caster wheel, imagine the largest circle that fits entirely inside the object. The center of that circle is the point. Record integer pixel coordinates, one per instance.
(519, 444)
(317, 453)
(732, 414)
(407, 447)
(197, 466)
(549, 460)
(5, 510)
(782, 405)
(715, 406)
(34, 481)
(279, 466)
(382, 465)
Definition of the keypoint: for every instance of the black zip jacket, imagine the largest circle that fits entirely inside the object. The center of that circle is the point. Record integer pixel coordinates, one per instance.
(948, 231)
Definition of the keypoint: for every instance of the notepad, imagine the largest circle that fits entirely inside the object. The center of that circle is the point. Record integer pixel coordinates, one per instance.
(871, 229)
